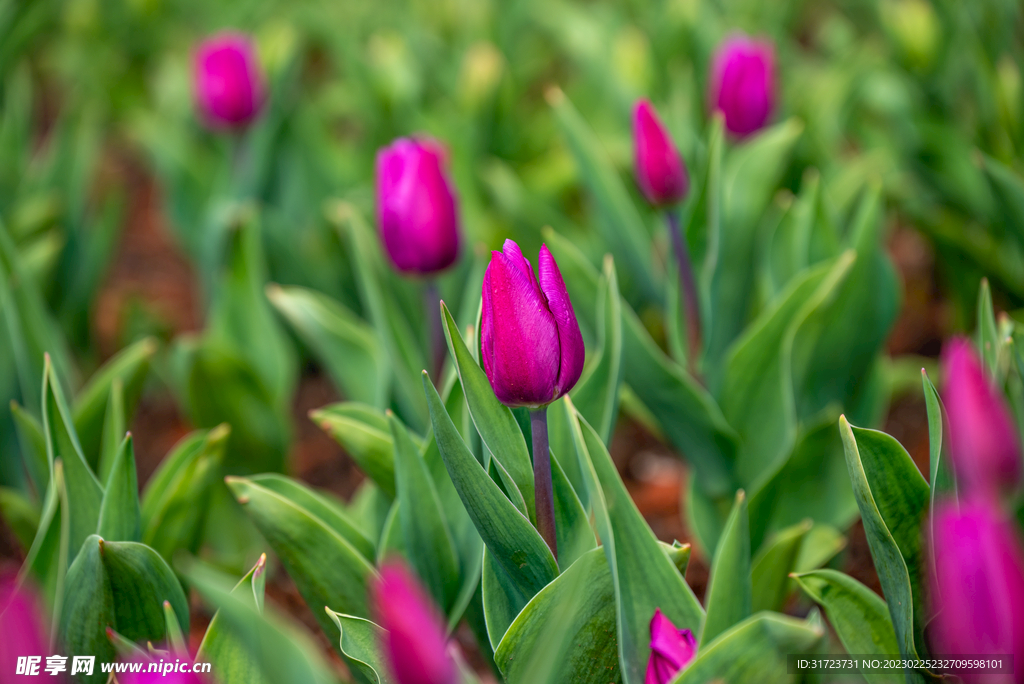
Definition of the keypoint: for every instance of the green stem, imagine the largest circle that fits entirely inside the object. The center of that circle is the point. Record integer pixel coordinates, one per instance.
(544, 492)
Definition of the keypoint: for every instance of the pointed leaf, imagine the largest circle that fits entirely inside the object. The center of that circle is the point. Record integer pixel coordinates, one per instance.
(120, 516)
(729, 589)
(363, 432)
(859, 615)
(776, 559)
(114, 428)
(360, 644)
(33, 447)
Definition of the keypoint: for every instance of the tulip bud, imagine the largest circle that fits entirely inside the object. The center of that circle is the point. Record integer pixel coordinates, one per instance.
(416, 208)
(228, 81)
(984, 445)
(660, 171)
(158, 677)
(977, 584)
(21, 625)
(415, 644)
(743, 83)
(671, 650)
(530, 341)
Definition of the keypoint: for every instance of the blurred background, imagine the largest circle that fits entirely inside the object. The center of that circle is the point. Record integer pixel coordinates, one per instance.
(111, 185)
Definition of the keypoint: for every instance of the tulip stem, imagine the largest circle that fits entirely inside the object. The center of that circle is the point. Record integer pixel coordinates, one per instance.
(688, 287)
(438, 344)
(543, 491)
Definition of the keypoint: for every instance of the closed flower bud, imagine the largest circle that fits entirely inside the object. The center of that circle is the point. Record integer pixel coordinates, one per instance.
(416, 207)
(671, 650)
(743, 84)
(228, 84)
(415, 642)
(977, 589)
(984, 445)
(22, 627)
(158, 677)
(660, 171)
(530, 341)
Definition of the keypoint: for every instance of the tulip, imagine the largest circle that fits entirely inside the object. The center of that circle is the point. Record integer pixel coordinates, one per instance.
(416, 207)
(984, 443)
(660, 171)
(977, 585)
(146, 677)
(415, 644)
(671, 650)
(22, 626)
(532, 352)
(662, 177)
(228, 81)
(743, 83)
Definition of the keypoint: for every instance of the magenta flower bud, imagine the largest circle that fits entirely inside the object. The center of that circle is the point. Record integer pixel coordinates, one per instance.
(977, 588)
(983, 440)
(671, 650)
(742, 83)
(415, 644)
(530, 341)
(228, 84)
(146, 677)
(660, 171)
(416, 207)
(22, 627)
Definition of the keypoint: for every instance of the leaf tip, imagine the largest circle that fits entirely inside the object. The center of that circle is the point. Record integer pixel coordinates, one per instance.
(554, 95)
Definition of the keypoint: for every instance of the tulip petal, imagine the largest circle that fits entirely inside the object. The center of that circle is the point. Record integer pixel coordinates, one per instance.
(660, 172)
(571, 350)
(520, 336)
(511, 250)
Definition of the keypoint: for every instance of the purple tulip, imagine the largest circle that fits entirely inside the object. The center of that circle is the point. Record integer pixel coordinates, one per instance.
(22, 627)
(743, 83)
(977, 585)
(984, 444)
(671, 650)
(229, 85)
(531, 343)
(415, 644)
(416, 206)
(146, 677)
(660, 171)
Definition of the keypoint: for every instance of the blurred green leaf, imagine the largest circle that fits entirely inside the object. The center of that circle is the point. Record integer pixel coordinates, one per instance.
(987, 335)
(120, 518)
(729, 592)
(33, 447)
(364, 433)
(114, 429)
(772, 565)
(348, 348)
(20, 515)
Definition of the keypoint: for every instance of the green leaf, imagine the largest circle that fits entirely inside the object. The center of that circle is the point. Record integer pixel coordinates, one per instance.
(750, 177)
(33, 447)
(573, 533)
(129, 367)
(324, 566)
(426, 536)
(20, 514)
(280, 649)
(729, 586)
(85, 494)
(121, 586)
(328, 511)
(941, 478)
(175, 638)
(114, 428)
(517, 547)
(820, 546)
(176, 498)
(596, 395)
(120, 516)
(859, 615)
(372, 276)
(752, 652)
(349, 349)
(494, 421)
(47, 558)
(776, 559)
(619, 221)
(644, 576)
(1008, 189)
(757, 390)
(689, 416)
(360, 644)
(364, 433)
(221, 647)
(987, 333)
(589, 626)
(892, 497)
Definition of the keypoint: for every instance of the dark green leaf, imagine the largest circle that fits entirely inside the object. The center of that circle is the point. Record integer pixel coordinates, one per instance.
(729, 586)
(120, 516)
